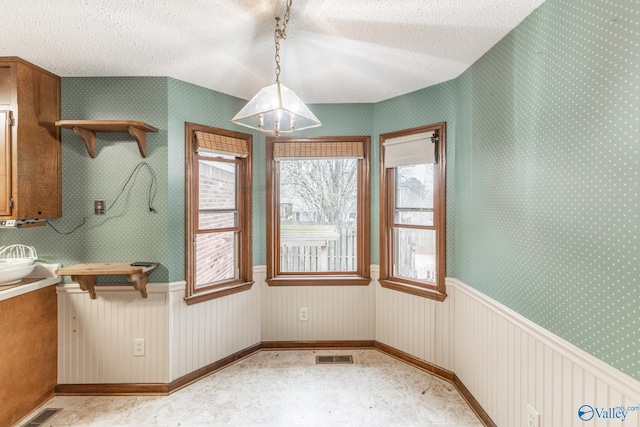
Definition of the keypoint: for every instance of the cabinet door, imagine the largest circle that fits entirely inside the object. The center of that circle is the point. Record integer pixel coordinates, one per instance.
(7, 84)
(5, 162)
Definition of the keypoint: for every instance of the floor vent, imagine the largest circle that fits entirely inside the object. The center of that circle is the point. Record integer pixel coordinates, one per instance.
(333, 359)
(43, 416)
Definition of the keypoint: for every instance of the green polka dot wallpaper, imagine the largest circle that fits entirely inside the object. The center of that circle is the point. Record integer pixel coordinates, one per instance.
(547, 175)
(543, 204)
(195, 104)
(128, 231)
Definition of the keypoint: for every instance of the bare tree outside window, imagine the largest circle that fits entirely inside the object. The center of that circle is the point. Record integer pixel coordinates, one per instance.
(415, 186)
(412, 211)
(318, 199)
(326, 189)
(415, 249)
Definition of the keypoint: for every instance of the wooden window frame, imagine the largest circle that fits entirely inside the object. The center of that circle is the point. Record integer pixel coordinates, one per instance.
(387, 203)
(244, 195)
(361, 277)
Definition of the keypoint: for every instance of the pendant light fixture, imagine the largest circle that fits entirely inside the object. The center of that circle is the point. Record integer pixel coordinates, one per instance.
(276, 109)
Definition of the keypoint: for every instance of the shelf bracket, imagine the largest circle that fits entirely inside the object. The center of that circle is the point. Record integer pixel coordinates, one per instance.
(141, 138)
(87, 283)
(89, 138)
(139, 282)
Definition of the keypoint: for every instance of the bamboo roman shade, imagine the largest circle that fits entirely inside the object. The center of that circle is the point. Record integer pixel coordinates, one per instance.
(221, 144)
(315, 150)
(409, 150)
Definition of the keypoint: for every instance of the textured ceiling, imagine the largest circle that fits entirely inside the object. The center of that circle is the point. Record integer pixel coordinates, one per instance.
(337, 50)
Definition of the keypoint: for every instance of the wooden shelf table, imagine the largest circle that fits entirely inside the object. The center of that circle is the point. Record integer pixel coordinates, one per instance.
(85, 274)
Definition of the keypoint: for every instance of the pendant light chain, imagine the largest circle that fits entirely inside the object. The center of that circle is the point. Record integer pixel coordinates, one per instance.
(281, 33)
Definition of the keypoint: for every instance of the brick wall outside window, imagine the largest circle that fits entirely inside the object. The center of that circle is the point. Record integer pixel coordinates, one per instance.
(216, 252)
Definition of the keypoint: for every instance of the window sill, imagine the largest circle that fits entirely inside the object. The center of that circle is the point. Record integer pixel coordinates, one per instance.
(210, 294)
(413, 289)
(319, 281)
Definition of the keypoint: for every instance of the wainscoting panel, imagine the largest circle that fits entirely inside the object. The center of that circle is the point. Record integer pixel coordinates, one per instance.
(336, 313)
(415, 325)
(505, 361)
(203, 333)
(96, 337)
(508, 362)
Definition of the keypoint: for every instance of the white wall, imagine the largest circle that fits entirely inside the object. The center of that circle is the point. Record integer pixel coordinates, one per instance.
(415, 325)
(206, 332)
(95, 337)
(336, 313)
(507, 362)
(504, 360)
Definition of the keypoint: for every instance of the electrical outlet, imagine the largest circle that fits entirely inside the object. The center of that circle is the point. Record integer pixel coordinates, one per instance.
(533, 417)
(304, 314)
(138, 347)
(99, 207)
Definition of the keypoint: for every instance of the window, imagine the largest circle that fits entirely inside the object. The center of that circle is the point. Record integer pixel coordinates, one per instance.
(218, 212)
(318, 211)
(412, 211)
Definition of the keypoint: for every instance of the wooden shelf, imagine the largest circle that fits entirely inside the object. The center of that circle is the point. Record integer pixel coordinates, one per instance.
(85, 274)
(86, 129)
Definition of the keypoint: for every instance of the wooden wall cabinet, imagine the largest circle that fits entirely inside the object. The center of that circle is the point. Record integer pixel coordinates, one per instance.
(30, 144)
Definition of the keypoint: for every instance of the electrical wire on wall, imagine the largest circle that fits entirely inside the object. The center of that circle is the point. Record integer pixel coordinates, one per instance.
(151, 195)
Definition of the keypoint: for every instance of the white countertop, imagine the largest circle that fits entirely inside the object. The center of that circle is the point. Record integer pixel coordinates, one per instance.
(42, 270)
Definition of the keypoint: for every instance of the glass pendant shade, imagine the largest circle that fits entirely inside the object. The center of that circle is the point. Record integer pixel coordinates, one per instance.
(276, 109)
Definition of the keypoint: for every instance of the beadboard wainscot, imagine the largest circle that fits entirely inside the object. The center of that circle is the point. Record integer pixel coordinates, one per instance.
(421, 327)
(508, 362)
(96, 336)
(504, 360)
(214, 330)
(335, 313)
